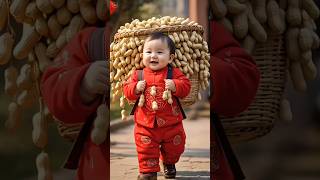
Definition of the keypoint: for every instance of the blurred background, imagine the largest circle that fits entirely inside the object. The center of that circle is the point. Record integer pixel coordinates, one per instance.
(290, 151)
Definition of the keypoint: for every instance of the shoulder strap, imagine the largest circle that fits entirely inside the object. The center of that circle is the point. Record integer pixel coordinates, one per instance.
(140, 74)
(169, 76)
(169, 73)
(96, 45)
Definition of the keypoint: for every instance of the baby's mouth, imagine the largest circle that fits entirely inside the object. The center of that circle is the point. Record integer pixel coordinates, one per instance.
(154, 62)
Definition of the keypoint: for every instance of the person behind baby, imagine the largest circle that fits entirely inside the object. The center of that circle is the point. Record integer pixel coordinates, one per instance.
(159, 131)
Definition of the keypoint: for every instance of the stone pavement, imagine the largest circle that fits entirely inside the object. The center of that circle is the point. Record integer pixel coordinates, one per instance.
(194, 163)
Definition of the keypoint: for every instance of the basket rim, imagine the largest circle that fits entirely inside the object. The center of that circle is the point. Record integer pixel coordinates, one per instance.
(167, 28)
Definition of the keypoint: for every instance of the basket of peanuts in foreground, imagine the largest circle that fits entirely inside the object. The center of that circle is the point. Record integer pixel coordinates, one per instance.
(191, 55)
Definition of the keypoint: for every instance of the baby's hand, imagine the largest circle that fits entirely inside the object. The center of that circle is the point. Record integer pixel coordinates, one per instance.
(141, 85)
(170, 85)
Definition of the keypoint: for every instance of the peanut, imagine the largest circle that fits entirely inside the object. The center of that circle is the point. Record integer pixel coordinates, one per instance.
(101, 125)
(40, 130)
(54, 27)
(57, 3)
(259, 10)
(41, 27)
(285, 110)
(73, 6)
(63, 16)
(3, 14)
(297, 76)
(44, 61)
(43, 167)
(6, 44)
(29, 39)
(88, 12)
(218, 8)
(10, 76)
(24, 80)
(14, 117)
(44, 6)
(294, 13)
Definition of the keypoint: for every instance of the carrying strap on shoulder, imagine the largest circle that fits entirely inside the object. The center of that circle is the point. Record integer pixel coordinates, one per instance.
(169, 76)
(96, 45)
(140, 75)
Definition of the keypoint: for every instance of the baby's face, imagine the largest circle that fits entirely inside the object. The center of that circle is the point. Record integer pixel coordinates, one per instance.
(156, 54)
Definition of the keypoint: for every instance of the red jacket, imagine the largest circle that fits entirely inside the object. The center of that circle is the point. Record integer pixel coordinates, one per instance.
(167, 114)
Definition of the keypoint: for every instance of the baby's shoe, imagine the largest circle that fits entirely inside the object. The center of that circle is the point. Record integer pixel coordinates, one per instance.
(169, 171)
(147, 176)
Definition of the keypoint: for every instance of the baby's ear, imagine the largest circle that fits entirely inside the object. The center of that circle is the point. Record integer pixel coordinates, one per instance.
(171, 58)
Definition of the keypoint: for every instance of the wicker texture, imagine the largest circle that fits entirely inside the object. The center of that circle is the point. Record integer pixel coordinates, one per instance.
(164, 29)
(193, 95)
(259, 118)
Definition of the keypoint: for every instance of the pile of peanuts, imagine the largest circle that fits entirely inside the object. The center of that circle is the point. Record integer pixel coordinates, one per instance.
(47, 26)
(191, 55)
(249, 22)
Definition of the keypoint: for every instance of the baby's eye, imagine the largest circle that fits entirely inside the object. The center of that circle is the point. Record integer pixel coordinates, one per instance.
(147, 52)
(159, 52)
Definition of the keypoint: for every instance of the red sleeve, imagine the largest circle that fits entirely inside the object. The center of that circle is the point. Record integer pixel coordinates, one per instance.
(182, 83)
(129, 87)
(61, 82)
(234, 75)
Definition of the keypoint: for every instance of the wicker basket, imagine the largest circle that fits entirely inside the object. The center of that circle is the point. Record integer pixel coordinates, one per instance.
(259, 118)
(143, 33)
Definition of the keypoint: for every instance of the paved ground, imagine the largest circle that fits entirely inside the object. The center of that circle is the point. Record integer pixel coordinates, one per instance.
(194, 164)
(290, 152)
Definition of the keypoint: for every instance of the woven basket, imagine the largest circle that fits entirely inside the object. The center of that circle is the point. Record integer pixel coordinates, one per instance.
(143, 33)
(259, 118)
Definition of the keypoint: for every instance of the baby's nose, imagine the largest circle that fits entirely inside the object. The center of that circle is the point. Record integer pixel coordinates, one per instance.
(153, 55)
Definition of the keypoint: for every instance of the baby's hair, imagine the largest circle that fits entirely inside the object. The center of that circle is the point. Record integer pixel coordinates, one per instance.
(163, 37)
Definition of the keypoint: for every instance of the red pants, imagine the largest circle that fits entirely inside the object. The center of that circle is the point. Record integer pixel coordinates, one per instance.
(166, 143)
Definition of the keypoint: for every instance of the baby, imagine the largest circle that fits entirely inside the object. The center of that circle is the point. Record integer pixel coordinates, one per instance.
(158, 114)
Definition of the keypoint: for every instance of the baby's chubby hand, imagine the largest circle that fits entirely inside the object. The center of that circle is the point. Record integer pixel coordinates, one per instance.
(141, 85)
(169, 84)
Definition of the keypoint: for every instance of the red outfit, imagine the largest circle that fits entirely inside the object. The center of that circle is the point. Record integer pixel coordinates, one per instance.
(161, 127)
(167, 114)
(235, 79)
